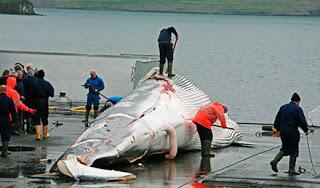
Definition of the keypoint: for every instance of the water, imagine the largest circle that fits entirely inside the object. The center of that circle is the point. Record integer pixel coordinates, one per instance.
(251, 63)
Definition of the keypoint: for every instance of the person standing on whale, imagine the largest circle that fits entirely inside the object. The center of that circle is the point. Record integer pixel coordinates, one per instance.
(166, 49)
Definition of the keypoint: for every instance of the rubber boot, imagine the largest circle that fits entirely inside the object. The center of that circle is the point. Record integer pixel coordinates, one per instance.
(86, 118)
(45, 132)
(33, 130)
(276, 160)
(19, 122)
(169, 70)
(28, 121)
(96, 114)
(206, 149)
(161, 66)
(292, 166)
(205, 164)
(30, 128)
(15, 128)
(205, 167)
(38, 127)
(5, 146)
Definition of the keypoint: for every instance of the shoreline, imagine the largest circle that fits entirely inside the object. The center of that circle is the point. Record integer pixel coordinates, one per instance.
(177, 12)
(122, 55)
(17, 14)
(17, 7)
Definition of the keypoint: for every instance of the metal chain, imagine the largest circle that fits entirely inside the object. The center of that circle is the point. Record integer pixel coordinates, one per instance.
(133, 72)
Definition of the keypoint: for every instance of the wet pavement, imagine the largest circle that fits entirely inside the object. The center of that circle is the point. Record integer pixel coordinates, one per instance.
(185, 171)
(255, 170)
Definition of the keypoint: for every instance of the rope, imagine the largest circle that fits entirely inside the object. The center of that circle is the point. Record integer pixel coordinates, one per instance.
(57, 124)
(253, 123)
(315, 173)
(19, 140)
(302, 170)
(228, 166)
(258, 123)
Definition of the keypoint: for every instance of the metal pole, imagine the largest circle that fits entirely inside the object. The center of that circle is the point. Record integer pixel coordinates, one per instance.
(258, 123)
(222, 127)
(314, 170)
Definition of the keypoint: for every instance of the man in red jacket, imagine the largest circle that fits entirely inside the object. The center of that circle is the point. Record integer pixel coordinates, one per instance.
(204, 119)
(14, 95)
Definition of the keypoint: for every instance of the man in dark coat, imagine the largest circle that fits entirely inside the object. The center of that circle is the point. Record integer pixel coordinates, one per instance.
(166, 49)
(288, 119)
(7, 113)
(44, 90)
(29, 82)
(19, 126)
(4, 76)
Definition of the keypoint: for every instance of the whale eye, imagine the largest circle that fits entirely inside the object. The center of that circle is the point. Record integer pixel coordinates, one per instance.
(133, 140)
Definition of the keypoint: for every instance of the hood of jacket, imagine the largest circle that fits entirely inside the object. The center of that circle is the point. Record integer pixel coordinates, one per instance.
(11, 82)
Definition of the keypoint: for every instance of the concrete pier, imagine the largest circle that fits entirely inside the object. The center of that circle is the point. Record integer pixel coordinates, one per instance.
(184, 171)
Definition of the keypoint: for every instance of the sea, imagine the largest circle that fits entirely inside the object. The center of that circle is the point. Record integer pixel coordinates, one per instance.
(252, 64)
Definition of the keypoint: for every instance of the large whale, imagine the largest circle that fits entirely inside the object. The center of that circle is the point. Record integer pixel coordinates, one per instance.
(155, 118)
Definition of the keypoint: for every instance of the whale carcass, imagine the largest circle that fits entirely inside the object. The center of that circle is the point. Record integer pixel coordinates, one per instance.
(155, 118)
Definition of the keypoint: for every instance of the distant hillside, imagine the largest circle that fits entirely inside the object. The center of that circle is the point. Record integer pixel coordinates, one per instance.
(24, 7)
(242, 7)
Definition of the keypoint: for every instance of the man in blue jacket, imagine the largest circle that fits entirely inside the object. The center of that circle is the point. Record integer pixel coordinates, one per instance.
(288, 119)
(95, 85)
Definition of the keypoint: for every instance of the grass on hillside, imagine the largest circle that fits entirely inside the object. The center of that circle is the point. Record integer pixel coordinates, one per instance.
(289, 7)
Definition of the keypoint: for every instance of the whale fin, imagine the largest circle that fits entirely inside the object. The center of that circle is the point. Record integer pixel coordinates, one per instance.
(192, 97)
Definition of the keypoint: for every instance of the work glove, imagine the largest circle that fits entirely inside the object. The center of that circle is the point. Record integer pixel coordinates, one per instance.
(86, 86)
(32, 111)
(309, 131)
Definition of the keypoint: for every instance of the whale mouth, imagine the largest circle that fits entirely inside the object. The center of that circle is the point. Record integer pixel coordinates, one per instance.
(75, 169)
(63, 168)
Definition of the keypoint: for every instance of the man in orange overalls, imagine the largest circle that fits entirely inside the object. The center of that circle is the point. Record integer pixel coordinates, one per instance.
(14, 95)
(204, 119)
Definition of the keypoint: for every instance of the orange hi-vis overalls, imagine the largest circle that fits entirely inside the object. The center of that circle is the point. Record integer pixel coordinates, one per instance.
(14, 95)
(209, 114)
